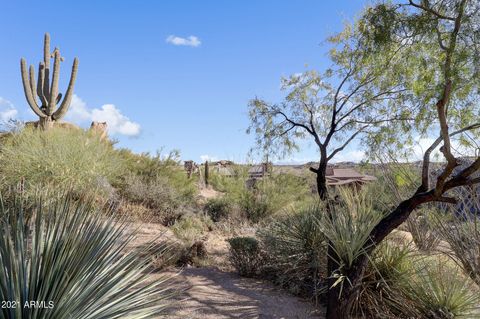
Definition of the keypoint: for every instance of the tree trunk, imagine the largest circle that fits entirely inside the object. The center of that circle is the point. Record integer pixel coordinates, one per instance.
(322, 179)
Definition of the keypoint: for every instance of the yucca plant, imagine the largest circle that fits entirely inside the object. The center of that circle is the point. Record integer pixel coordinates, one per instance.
(441, 291)
(349, 225)
(297, 249)
(390, 265)
(71, 260)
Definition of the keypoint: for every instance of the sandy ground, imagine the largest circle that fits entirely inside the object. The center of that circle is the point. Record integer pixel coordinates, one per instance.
(211, 293)
(206, 293)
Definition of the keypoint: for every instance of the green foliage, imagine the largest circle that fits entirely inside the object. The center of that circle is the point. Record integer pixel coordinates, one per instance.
(266, 197)
(191, 228)
(296, 250)
(158, 183)
(390, 266)
(349, 225)
(441, 291)
(61, 158)
(245, 255)
(420, 225)
(149, 168)
(218, 208)
(72, 255)
(462, 233)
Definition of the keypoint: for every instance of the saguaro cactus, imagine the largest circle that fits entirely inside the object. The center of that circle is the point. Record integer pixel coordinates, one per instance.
(207, 174)
(47, 92)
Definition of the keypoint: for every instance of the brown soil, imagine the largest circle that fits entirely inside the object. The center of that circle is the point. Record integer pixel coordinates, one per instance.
(209, 293)
(206, 293)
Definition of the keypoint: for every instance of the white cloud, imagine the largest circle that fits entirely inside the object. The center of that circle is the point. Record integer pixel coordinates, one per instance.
(349, 156)
(209, 158)
(117, 123)
(191, 41)
(7, 110)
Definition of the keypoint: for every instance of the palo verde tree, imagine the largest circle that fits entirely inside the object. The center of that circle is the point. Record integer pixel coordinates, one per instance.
(347, 101)
(441, 41)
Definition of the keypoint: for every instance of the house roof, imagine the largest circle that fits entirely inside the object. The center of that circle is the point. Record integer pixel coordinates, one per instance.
(343, 176)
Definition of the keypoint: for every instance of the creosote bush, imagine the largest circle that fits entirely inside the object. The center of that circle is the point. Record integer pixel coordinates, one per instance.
(72, 256)
(246, 256)
(218, 208)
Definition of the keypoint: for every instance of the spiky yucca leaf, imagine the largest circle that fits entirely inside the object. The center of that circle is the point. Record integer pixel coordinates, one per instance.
(349, 225)
(72, 256)
(441, 291)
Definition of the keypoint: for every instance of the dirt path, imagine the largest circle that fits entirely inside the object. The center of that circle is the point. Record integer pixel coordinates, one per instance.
(210, 293)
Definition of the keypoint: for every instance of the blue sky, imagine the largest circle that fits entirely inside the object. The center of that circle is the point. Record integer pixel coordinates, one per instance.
(171, 74)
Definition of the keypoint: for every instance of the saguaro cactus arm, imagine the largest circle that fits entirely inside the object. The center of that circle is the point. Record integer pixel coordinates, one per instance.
(41, 84)
(27, 88)
(32, 80)
(63, 108)
(52, 101)
(46, 61)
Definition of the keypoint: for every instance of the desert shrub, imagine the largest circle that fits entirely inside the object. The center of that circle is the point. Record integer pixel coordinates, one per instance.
(440, 291)
(62, 158)
(191, 228)
(297, 250)
(272, 194)
(245, 255)
(156, 194)
(149, 168)
(72, 255)
(461, 230)
(218, 208)
(420, 225)
(266, 197)
(158, 182)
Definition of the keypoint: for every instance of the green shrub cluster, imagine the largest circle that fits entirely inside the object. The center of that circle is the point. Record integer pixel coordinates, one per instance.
(246, 256)
(158, 183)
(59, 158)
(266, 197)
(218, 208)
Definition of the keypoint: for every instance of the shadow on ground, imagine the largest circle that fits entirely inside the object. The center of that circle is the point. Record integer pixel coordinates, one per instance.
(210, 293)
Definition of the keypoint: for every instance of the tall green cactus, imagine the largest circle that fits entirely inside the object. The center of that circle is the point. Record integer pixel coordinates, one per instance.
(207, 174)
(47, 92)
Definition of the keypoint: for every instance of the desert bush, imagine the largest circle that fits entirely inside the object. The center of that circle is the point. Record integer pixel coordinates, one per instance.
(461, 230)
(218, 208)
(63, 158)
(168, 167)
(420, 225)
(245, 255)
(191, 228)
(268, 195)
(156, 194)
(297, 250)
(440, 291)
(72, 255)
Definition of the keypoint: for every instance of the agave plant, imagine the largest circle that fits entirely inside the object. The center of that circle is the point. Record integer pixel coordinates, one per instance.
(69, 261)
